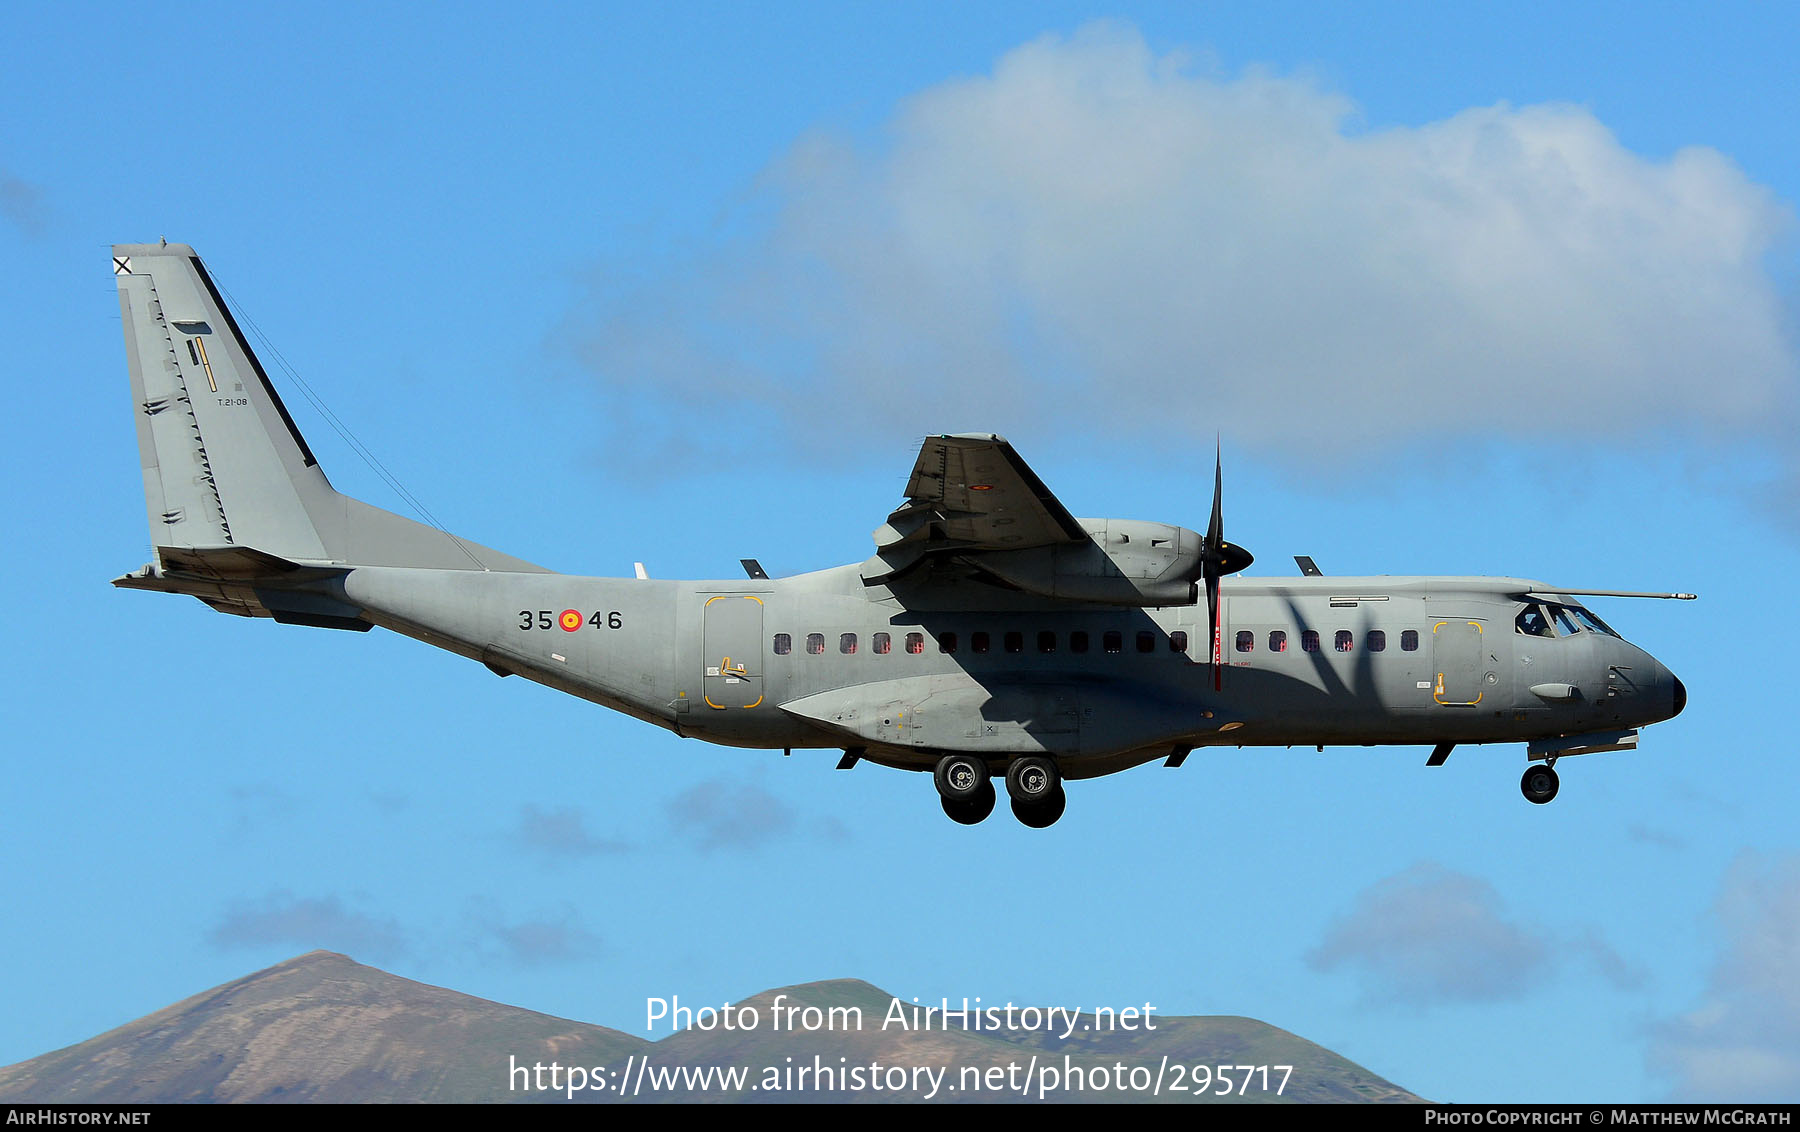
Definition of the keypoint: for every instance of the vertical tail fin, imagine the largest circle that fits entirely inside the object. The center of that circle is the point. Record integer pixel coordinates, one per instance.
(224, 464)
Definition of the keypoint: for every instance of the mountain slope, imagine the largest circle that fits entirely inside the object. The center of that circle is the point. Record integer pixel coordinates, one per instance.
(322, 1027)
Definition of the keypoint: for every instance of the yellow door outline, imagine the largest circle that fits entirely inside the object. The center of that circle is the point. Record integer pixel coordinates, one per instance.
(726, 668)
(1437, 692)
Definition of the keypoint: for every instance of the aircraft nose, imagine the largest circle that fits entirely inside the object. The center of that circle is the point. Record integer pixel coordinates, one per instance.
(1680, 694)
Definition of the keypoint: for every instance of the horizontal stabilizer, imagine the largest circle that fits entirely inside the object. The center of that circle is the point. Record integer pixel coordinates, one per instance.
(249, 583)
(223, 563)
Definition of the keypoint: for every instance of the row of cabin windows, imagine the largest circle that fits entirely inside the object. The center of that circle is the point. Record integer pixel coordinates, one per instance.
(1013, 641)
(1375, 640)
(1111, 641)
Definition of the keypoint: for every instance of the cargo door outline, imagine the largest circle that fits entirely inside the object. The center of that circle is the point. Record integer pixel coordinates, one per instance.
(1456, 661)
(731, 631)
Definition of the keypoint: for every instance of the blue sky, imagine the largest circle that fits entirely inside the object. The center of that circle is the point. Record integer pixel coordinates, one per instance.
(1465, 292)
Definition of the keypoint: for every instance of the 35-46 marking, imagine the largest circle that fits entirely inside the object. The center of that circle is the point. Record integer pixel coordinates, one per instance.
(569, 620)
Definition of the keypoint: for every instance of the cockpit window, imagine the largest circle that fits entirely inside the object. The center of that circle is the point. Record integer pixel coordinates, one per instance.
(1532, 622)
(1565, 625)
(1591, 621)
(1553, 619)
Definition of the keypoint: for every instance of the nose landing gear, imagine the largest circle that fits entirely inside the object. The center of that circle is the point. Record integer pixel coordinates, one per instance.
(1539, 784)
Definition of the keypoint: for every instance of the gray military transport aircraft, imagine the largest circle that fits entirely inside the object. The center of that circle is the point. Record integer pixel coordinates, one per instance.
(991, 633)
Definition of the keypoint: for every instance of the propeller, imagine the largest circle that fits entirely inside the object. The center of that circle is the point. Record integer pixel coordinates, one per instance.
(1217, 559)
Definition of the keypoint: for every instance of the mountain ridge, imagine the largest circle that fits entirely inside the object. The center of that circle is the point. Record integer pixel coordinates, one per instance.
(322, 1027)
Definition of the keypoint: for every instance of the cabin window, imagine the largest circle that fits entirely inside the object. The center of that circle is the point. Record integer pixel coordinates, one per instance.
(882, 643)
(978, 642)
(784, 644)
(1346, 640)
(946, 642)
(847, 643)
(1078, 641)
(1409, 640)
(1246, 640)
(1178, 641)
(1375, 640)
(1046, 641)
(1146, 641)
(915, 642)
(1113, 641)
(815, 643)
(1309, 640)
(1014, 641)
(1277, 640)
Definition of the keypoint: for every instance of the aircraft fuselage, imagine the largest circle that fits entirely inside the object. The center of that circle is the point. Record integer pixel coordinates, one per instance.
(823, 661)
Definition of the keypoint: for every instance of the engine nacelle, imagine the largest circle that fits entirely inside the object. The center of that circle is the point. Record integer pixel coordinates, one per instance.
(1123, 562)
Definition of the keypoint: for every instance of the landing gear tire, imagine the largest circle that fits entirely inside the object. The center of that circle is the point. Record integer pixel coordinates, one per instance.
(1032, 780)
(962, 778)
(1041, 814)
(1539, 784)
(971, 811)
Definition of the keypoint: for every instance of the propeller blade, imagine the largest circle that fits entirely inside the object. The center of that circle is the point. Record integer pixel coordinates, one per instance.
(1218, 643)
(1217, 559)
(1215, 530)
(1211, 562)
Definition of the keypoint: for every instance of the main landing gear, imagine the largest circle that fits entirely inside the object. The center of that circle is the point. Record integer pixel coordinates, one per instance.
(964, 787)
(1036, 790)
(1033, 783)
(1540, 783)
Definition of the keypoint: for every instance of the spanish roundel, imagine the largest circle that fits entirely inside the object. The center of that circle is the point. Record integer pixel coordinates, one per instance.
(570, 620)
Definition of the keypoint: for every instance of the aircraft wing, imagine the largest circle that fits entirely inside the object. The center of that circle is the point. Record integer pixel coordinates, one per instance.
(969, 493)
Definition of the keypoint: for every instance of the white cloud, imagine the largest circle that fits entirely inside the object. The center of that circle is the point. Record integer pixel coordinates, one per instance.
(308, 924)
(544, 941)
(23, 203)
(561, 832)
(1653, 835)
(1741, 1042)
(725, 815)
(260, 807)
(1429, 935)
(1094, 235)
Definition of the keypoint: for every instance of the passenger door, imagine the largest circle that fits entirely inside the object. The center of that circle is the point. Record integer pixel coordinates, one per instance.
(732, 629)
(1456, 651)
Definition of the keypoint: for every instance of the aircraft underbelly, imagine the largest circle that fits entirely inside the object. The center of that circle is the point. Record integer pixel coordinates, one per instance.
(950, 712)
(955, 712)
